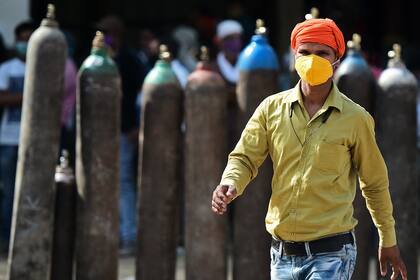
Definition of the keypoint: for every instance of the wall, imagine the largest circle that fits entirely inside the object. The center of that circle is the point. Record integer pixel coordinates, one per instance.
(12, 12)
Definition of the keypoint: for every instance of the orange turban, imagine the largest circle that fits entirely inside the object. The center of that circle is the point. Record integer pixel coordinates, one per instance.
(322, 31)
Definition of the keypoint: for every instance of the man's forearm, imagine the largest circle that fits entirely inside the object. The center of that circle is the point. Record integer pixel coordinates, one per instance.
(379, 204)
(236, 174)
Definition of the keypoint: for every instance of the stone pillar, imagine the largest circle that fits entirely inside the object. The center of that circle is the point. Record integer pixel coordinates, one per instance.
(396, 130)
(159, 172)
(97, 165)
(33, 217)
(205, 155)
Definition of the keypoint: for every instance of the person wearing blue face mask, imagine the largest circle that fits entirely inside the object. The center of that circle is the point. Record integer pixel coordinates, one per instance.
(21, 48)
(12, 75)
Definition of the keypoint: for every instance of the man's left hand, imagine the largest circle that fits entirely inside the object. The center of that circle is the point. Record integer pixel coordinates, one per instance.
(392, 256)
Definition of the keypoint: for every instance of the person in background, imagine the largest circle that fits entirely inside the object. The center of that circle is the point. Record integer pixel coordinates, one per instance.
(132, 75)
(12, 76)
(148, 47)
(187, 39)
(229, 42)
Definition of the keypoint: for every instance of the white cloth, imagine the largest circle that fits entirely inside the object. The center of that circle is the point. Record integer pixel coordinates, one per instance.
(228, 27)
(230, 72)
(12, 76)
(181, 72)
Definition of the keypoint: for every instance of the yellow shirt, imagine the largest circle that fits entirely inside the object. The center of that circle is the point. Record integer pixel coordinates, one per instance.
(316, 162)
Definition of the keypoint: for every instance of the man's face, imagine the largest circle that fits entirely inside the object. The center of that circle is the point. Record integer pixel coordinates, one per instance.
(113, 40)
(21, 45)
(321, 50)
(24, 36)
(232, 44)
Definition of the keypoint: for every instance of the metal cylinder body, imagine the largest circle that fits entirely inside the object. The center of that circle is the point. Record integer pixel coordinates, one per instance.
(205, 156)
(159, 173)
(396, 130)
(32, 228)
(97, 167)
(64, 222)
(354, 78)
(257, 80)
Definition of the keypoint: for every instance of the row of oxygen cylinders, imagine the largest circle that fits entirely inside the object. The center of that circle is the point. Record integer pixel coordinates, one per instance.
(177, 171)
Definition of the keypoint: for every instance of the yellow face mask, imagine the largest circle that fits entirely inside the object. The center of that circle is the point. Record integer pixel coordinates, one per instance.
(314, 69)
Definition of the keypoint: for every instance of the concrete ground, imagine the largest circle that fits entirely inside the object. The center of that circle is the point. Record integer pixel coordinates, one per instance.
(127, 268)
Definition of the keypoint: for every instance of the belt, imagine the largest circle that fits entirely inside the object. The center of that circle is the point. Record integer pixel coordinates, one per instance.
(323, 245)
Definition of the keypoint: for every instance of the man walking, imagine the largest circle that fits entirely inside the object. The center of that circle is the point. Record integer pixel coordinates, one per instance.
(319, 141)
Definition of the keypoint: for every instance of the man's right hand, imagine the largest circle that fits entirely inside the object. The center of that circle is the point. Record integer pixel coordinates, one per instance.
(222, 196)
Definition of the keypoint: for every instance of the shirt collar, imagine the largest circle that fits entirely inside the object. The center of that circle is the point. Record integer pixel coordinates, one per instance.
(334, 98)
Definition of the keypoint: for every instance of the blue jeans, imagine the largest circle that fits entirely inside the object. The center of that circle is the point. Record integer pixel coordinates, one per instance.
(337, 265)
(127, 190)
(8, 162)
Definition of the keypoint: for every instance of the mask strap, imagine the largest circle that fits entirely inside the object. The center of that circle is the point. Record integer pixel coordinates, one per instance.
(335, 62)
(333, 65)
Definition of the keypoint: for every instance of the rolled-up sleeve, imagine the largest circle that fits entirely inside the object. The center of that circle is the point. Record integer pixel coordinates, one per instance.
(249, 153)
(374, 183)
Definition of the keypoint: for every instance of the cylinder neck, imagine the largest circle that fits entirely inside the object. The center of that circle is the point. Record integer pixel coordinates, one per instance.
(49, 20)
(163, 63)
(98, 44)
(164, 53)
(204, 63)
(354, 45)
(64, 159)
(354, 53)
(259, 39)
(260, 27)
(99, 51)
(64, 166)
(394, 55)
(313, 14)
(204, 66)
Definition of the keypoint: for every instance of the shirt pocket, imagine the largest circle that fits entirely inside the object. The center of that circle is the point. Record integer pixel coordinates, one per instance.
(331, 157)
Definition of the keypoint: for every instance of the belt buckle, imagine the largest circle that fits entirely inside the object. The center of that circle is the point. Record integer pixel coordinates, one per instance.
(293, 252)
